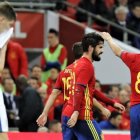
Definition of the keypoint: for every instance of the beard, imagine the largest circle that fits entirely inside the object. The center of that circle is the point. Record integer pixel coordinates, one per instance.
(95, 56)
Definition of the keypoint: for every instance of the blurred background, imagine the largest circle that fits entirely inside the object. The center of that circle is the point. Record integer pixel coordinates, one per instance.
(45, 27)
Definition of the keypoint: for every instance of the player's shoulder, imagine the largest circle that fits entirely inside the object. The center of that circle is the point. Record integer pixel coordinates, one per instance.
(84, 63)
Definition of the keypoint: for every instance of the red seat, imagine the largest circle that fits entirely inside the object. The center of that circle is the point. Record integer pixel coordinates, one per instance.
(75, 2)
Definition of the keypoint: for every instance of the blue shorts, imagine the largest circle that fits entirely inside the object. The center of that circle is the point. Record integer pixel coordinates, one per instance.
(135, 122)
(83, 130)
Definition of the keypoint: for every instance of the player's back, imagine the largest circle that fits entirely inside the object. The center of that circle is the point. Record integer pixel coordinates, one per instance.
(65, 83)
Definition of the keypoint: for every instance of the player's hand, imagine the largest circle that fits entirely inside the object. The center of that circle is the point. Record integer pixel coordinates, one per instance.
(120, 107)
(106, 36)
(106, 112)
(73, 119)
(42, 119)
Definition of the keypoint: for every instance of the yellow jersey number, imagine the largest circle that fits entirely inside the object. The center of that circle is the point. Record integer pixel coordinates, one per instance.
(137, 83)
(68, 85)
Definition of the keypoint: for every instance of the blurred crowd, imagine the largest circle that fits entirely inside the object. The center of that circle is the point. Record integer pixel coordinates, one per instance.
(26, 91)
(125, 13)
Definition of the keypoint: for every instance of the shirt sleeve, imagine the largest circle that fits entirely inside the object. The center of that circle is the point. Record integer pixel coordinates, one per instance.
(128, 58)
(100, 96)
(58, 84)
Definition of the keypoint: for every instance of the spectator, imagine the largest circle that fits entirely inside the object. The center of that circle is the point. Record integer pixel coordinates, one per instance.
(122, 3)
(55, 126)
(125, 123)
(133, 22)
(120, 18)
(16, 59)
(98, 85)
(96, 7)
(11, 102)
(127, 88)
(113, 122)
(30, 106)
(36, 72)
(4, 75)
(113, 92)
(123, 96)
(54, 55)
(33, 82)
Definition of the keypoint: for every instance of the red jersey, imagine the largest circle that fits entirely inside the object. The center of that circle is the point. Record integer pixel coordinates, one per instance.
(82, 73)
(65, 83)
(132, 60)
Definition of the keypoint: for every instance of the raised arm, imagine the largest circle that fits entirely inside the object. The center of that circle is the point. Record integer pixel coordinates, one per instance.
(115, 48)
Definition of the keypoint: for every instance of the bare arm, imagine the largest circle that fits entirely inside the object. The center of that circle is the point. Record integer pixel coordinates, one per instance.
(103, 110)
(51, 100)
(2, 57)
(42, 119)
(97, 104)
(115, 48)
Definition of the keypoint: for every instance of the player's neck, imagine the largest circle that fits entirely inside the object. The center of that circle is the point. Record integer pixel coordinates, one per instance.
(87, 56)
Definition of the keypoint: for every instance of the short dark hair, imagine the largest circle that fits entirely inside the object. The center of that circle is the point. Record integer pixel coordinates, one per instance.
(92, 39)
(53, 31)
(36, 65)
(7, 11)
(21, 82)
(77, 50)
(33, 78)
(4, 80)
(57, 67)
(114, 114)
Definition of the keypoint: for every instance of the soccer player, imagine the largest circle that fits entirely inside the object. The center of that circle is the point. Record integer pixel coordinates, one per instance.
(7, 18)
(132, 60)
(77, 51)
(60, 85)
(79, 109)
